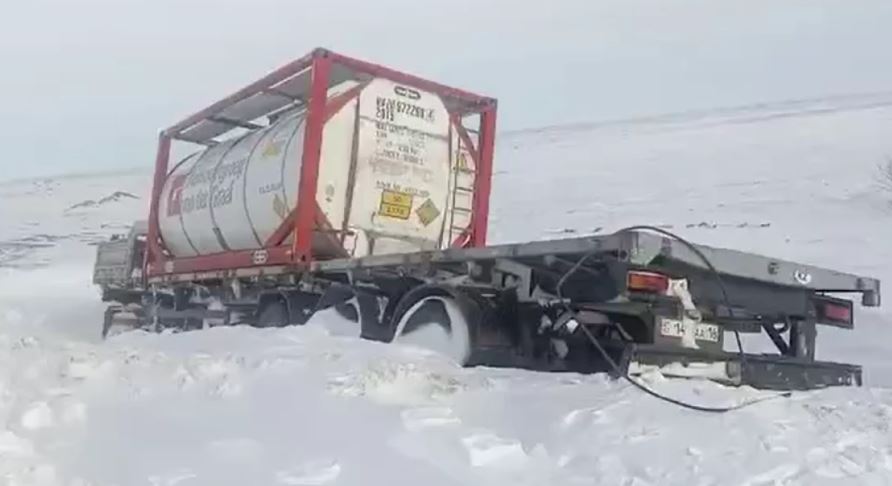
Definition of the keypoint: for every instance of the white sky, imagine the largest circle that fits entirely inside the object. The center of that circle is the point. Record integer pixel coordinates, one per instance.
(86, 85)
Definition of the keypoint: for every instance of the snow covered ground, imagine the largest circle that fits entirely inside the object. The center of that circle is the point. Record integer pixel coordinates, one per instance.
(311, 406)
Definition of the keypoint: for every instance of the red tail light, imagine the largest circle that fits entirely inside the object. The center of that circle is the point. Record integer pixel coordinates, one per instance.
(832, 311)
(638, 281)
(837, 312)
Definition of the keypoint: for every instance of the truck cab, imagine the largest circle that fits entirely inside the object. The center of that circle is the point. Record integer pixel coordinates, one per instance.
(117, 270)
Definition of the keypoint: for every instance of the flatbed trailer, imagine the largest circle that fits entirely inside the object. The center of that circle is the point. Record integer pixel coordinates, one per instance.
(623, 302)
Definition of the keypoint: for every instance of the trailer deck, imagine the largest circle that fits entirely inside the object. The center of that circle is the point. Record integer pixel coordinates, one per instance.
(636, 248)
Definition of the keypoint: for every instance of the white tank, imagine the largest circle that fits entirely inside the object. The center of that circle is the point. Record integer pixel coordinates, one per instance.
(390, 163)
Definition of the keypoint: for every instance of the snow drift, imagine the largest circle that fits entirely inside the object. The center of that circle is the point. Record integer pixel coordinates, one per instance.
(314, 405)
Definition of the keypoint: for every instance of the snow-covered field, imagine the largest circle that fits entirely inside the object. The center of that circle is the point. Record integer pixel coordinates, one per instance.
(311, 406)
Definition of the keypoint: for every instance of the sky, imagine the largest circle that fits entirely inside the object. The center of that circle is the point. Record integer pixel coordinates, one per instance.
(86, 85)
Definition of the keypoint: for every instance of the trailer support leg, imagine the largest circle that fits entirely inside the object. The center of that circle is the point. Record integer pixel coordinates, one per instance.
(776, 338)
(802, 339)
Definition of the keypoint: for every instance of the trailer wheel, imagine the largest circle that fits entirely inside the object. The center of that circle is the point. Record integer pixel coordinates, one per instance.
(273, 313)
(440, 320)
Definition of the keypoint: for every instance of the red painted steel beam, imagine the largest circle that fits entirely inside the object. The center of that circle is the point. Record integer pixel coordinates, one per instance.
(334, 105)
(483, 181)
(331, 108)
(231, 260)
(281, 233)
(405, 78)
(329, 232)
(287, 227)
(466, 139)
(154, 248)
(299, 65)
(464, 238)
(304, 223)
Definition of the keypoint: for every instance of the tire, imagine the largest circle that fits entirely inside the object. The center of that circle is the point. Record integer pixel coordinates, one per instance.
(273, 313)
(441, 321)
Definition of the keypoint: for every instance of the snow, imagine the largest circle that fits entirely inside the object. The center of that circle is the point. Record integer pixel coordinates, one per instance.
(314, 405)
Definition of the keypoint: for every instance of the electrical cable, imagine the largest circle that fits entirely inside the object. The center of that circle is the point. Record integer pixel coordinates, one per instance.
(706, 261)
(624, 374)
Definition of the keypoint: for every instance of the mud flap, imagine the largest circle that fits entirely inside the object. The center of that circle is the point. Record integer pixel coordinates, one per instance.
(357, 306)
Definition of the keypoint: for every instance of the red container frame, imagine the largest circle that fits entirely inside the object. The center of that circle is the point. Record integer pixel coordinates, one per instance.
(305, 218)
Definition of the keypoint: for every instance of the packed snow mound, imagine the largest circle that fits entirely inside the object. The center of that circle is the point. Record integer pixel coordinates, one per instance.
(315, 405)
(230, 406)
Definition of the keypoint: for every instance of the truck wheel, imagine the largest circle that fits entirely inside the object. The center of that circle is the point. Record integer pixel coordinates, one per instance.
(440, 322)
(273, 313)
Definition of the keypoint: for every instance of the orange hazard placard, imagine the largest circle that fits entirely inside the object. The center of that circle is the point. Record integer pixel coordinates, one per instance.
(395, 204)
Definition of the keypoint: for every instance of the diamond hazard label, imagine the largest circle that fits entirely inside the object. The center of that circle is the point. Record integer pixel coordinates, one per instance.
(279, 207)
(427, 212)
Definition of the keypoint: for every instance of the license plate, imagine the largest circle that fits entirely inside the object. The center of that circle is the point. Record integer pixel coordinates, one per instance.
(702, 331)
(707, 332)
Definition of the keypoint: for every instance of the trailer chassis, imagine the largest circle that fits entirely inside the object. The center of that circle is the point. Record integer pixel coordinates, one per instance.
(517, 317)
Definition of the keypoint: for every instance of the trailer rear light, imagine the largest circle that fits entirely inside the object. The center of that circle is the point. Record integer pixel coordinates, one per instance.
(837, 312)
(832, 311)
(638, 281)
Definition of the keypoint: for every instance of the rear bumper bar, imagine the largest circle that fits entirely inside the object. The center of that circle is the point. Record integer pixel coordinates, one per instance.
(763, 371)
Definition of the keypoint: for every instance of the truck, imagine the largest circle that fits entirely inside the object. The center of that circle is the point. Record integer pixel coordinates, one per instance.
(333, 184)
